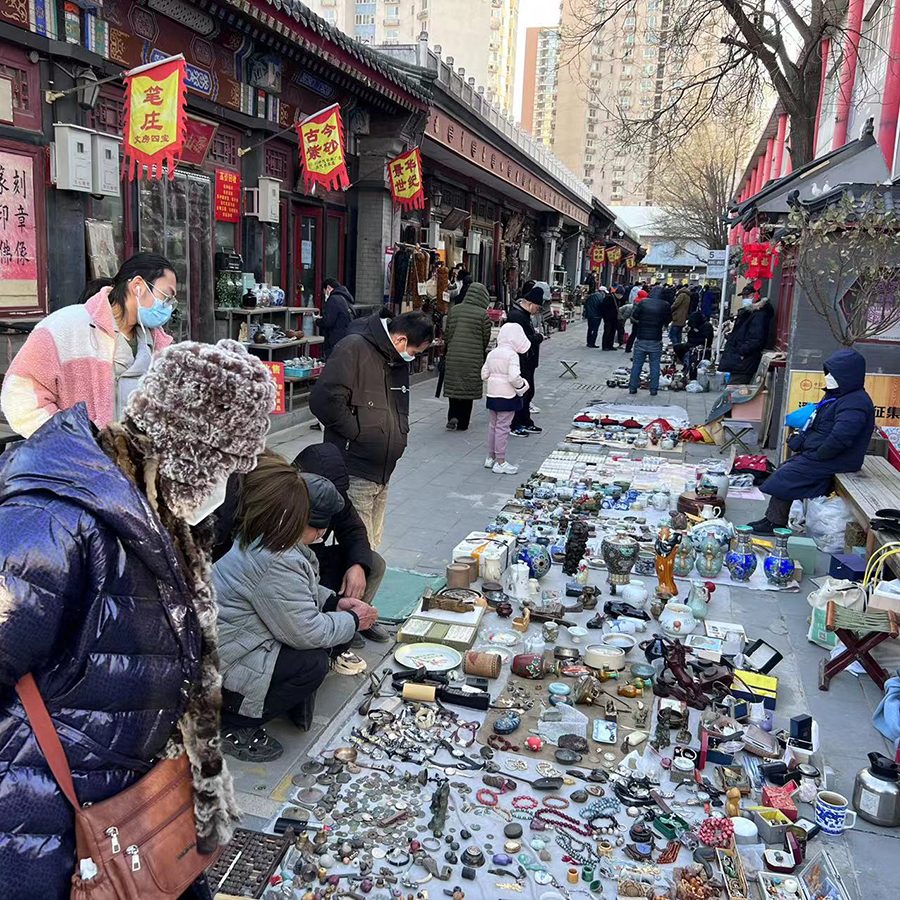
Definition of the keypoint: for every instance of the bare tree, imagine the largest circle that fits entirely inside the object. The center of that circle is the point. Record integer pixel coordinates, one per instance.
(848, 265)
(717, 57)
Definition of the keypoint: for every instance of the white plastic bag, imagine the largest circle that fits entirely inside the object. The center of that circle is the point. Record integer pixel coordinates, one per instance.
(826, 521)
(843, 592)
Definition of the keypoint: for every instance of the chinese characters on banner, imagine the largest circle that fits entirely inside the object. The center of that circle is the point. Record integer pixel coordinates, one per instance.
(760, 260)
(629, 261)
(18, 235)
(405, 172)
(155, 117)
(322, 150)
(277, 370)
(228, 196)
(598, 257)
(198, 138)
(614, 255)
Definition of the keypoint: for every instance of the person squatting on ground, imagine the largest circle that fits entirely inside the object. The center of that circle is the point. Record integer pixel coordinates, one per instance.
(467, 337)
(278, 625)
(106, 599)
(505, 388)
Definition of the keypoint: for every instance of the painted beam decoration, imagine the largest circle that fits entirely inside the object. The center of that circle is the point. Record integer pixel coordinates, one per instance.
(155, 117)
(407, 189)
(322, 150)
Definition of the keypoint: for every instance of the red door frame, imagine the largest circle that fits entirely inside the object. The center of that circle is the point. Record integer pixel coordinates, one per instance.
(341, 216)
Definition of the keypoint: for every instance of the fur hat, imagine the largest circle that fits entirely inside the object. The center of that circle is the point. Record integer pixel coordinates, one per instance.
(205, 410)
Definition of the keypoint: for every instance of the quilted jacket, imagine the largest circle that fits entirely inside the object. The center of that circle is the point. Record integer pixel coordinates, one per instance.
(468, 335)
(94, 603)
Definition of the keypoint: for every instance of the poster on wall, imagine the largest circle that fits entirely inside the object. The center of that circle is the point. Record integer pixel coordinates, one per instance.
(18, 232)
(228, 196)
(103, 257)
(809, 387)
(277, 370)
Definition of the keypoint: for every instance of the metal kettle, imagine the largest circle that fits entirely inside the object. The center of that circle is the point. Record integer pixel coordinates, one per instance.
(876, 793)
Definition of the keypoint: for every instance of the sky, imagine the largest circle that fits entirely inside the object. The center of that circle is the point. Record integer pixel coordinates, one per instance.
(532, 13)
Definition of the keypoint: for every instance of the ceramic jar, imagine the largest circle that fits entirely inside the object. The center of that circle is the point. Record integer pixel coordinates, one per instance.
(698, 599)
(645, 563)
(635, 593)
(778, 565)
(537, 558)
(619, 553)
(741, 560)
(677, 620)
(709, 557)
(685, 557)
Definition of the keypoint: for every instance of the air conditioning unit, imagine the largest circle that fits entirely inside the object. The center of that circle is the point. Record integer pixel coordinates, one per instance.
(473, 243)
(264, 201)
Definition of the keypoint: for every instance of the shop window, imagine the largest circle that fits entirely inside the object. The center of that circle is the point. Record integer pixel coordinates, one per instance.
(277, 163)
(224, 150)
(25, 78)
(108, 116)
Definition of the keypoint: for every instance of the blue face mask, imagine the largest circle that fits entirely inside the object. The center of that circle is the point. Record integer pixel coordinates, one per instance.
(157, 315)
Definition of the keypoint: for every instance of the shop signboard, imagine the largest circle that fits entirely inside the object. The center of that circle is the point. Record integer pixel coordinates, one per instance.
(277, 370)
(198, 138)
(808, 387)
(228, 196)
(18, 233)
(407, 188)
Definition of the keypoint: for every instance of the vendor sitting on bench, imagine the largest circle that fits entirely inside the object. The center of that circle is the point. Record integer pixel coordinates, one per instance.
(278, 626)
(834, 439)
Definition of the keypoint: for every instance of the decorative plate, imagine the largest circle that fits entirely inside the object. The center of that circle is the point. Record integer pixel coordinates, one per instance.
(434, 657)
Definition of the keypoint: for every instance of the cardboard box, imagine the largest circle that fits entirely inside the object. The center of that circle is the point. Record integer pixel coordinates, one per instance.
(493, 552)
(804, 551)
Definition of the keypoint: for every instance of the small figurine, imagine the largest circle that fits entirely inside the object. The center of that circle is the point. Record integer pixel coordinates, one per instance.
(666, 545)
(733, 803)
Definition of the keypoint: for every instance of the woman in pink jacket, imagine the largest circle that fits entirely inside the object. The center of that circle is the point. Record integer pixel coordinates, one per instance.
(505, 387)
(96, 353)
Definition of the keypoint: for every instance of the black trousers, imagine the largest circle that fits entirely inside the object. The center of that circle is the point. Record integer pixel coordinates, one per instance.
(523, 415)
(620, 332)
(609, 333)
(779, 511)
(631, 339)
(461, 410)
(593, 328)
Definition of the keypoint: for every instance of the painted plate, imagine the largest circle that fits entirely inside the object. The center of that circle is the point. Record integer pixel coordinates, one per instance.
(434, 657)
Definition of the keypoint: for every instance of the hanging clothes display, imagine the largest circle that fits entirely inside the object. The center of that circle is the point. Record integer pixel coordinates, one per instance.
(409, 269)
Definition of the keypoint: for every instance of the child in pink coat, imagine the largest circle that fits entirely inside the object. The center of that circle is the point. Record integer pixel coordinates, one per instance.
(505, 387)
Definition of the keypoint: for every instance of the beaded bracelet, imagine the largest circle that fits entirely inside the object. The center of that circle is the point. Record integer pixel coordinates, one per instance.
(524, 801)
(554, 801)
(487, 797)
(603, 807)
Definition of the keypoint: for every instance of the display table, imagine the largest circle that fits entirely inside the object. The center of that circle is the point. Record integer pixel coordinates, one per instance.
(875, 486)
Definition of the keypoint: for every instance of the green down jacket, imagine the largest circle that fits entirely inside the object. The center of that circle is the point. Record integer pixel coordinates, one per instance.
(467, 337)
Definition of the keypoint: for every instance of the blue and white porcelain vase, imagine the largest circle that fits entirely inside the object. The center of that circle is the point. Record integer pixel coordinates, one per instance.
(778, 565)
(741, 561)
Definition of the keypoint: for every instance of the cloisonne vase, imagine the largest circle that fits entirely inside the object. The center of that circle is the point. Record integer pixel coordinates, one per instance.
(778, 565)
(741, 561)
(619, 553)
(709, 557)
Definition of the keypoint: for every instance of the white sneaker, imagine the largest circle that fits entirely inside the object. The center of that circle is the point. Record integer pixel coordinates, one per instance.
(534, 409)
(505, 468)
(489, 462)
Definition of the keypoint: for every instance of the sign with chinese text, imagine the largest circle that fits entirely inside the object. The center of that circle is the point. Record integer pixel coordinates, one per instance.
(322, 150)
(405, 172)
(155, 118)
(614, 255)
(228, 196)
(809, 387)
(598, 257)
(198, 138)
(277, 370)
(629, 261)
(18, 234)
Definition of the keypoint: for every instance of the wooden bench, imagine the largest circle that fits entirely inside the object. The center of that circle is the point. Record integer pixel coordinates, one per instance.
(875, 486)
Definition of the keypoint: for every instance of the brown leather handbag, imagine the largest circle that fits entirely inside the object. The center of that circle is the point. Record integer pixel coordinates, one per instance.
(143, 841)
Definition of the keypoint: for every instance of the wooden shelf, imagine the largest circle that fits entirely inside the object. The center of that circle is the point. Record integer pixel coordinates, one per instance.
(315, 339)
(224, 313)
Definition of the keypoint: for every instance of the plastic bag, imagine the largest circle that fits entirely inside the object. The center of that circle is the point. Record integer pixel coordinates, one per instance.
(845, 593)
(826, 522)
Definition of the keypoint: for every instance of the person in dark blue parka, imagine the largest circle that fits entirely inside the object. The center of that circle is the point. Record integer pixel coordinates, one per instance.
(834, 439)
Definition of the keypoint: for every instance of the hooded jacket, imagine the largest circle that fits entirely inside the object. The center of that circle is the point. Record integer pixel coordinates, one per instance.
(650, 316)
(836, 437)
(94, 603)
(743, 349)
(501, 369)
(362, 401)
(467, 336)
(337, 316)
(680, 307)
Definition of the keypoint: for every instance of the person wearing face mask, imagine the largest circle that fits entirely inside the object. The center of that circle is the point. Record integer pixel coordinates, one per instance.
(534, 295)
(95, 353)
(834, 439)
(106, 600)
(745, 344)
(362, 400)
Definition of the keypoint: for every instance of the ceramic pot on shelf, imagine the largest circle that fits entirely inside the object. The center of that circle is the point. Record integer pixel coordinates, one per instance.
(685, 557)
(619, 553)
(677, 620)
(709, 557)
(778, 565)
(741, 560)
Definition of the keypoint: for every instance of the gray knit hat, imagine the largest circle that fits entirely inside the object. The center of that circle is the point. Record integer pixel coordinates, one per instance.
(205, 409)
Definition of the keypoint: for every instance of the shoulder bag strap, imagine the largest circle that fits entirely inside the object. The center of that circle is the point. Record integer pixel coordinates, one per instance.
(46, 736)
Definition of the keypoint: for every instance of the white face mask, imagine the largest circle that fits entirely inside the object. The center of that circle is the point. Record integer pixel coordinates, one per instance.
(831, 382)
(407, 357)
(209, 505)
(746, 302)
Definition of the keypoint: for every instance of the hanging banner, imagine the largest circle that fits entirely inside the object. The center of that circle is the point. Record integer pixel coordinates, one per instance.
(322, 150)
(18, 234)
(155, 117)
(198, 138)
(598, 257)
(629, 261)
(407, 189)
(228, 196)
(614, 255)
(277, 370)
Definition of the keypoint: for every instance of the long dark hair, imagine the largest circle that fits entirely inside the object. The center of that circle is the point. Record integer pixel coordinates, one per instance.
(148, 266)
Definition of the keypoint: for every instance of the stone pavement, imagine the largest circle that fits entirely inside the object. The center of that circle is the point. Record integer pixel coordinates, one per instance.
(441, 491)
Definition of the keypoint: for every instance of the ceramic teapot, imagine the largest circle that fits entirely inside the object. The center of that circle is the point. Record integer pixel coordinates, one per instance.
(515, 581)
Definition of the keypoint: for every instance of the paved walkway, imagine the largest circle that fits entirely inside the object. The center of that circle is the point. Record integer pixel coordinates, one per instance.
(441, 491)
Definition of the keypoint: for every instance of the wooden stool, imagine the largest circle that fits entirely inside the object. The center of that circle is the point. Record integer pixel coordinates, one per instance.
(569, 368)
(860, 633)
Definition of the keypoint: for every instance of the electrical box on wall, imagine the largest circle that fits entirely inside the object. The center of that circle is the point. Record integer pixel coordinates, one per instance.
(106, 179)
(264, 201)
(72, 158)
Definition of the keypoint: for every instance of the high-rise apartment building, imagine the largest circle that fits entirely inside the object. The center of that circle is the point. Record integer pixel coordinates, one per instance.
(480, 35)
(539, 87)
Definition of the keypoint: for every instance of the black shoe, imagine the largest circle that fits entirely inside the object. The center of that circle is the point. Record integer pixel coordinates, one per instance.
(592, 346)
(632, 393)
(534, 429)
(358, 642)
(251, 745)
(451, 424)
(316, 426)
(762, 526)
(521, 431)
(653, 393)
(377, 633)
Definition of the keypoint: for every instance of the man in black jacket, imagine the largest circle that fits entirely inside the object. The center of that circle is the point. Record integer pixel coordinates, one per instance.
(648, 320)
(347, 565)
(593, 311)
(530, 304)
(749, 334)
(362, 401)
(336, 315)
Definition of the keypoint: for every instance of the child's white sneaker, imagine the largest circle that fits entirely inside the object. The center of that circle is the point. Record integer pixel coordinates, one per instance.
(489, 462)
(505, 468)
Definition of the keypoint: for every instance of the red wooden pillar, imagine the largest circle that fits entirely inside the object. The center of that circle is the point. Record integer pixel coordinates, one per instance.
(848, 72)
(768, 160)
(779, 145)
(890, 98)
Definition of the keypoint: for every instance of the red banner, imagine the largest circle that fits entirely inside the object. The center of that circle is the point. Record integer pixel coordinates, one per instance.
(277, 370)
(598, 257)
(198, 138)
(407, 189)
(613, 255)
(155, 118)
(228, 196)
(322, 150)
